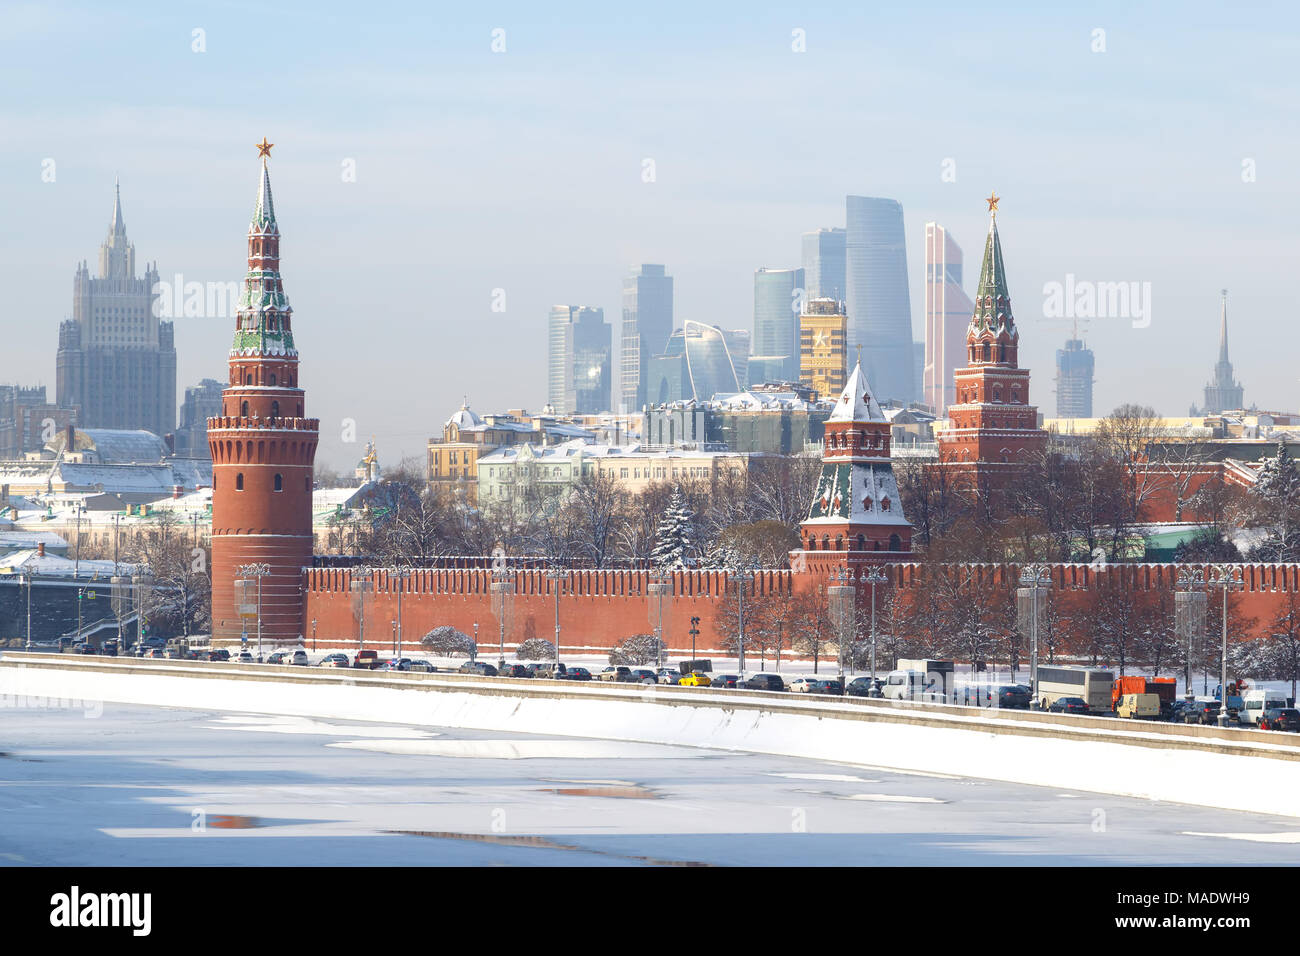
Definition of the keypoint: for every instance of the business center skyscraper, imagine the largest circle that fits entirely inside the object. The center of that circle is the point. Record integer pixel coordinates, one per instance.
(578, 367)
(778, 301)
(823, 264)
(647, 323)
(876, 294)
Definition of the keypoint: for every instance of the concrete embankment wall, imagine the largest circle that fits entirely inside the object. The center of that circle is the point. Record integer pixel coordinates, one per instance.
(1235, 769)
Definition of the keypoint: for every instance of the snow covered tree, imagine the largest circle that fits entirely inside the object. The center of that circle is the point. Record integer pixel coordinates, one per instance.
(535, 649)
(635, 651)
(675, 539)
(1277, 497)
(446, 641)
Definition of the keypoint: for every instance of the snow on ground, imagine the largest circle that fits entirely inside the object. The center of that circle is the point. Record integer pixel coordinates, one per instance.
(165, 786)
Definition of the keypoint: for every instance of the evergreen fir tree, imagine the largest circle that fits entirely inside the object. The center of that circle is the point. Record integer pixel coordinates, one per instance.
(1278, 491)
(675, 537)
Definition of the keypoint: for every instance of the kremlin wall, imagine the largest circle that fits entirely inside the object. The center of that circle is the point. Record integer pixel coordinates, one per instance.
(263, 449)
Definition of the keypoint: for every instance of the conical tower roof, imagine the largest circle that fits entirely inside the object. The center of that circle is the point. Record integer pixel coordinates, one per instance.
(856, 403)
(992, 300)
(264, 212)
(118, 226)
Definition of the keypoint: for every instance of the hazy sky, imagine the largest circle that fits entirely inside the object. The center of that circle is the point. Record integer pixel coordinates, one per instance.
(522, 170)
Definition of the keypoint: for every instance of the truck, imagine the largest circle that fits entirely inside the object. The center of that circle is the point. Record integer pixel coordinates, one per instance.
(1139, 706)
(1166, 688)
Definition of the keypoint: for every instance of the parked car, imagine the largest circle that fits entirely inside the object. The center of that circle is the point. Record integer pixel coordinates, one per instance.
(642, 675)
(109, 648)
(1069, 705)
(423, 666)
(668, 675)
(615, 674)
(481, 668)
(1280, 718)
(1202, 712)
(828, 685)
(154, 653)
(395, 664)
(277, 658)
(803, 685)
(366, 660)
(724, 680)
(577, 673)
(85, 647)
(865, 687)
(546, 670)
(514, 670)
(242, 657)
(335, 660)
(772, 682)
(695, 679)
(1014, 696)
(1177, 712)
(296, 657)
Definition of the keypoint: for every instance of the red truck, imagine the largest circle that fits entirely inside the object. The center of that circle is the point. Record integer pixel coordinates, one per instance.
(1163, 687)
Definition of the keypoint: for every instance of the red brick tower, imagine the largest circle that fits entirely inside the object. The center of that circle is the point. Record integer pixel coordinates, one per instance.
(262, 448)
(856, 516)
(991, 425)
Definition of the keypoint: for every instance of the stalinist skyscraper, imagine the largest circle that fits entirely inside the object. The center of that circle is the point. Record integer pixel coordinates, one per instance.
(116, 360)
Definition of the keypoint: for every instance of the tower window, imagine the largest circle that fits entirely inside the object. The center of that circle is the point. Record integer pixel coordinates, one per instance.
(239, 481)
(279, 483)
(272, 378)
(275, 406)
(244, 408)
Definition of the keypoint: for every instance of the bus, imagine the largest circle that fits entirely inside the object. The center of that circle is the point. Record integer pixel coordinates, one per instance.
(1093, 684)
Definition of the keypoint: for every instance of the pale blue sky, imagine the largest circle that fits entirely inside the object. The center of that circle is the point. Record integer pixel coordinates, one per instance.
(522, 171)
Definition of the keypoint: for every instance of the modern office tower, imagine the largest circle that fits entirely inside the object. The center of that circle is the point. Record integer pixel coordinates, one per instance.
(823, 263)
(876, 295)
(697, 364)
(1223, 392)
(647, 323)
(1074, 368)
(578, 367)
(116, 360)
(202, 401)
(947, 314)
(823, 349)
(778, 300)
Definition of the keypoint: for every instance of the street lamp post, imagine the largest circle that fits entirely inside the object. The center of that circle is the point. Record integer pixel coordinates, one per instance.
(500, 589)
(313, 635)
(402, 574)
(558, 577)
(873, 577)
(1228, 578)
(840, 594)
(740, 577)
(661, 589)
(695, 632)
(1034, 577)
(256, 571)
(1189, 617)
(27, 573)
(360, 588)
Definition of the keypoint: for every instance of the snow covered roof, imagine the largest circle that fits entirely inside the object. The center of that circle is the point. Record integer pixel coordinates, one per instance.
(464, 418)
(49, 565)
(856, 403)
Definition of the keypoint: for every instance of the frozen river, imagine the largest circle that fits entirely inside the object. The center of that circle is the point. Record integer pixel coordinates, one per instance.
(156, 786)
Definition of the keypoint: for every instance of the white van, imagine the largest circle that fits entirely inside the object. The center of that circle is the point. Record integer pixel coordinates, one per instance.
(1256, 702)
(909, 684)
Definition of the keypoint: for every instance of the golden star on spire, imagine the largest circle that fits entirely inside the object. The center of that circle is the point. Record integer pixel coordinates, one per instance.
(993, 201)
(264, 149)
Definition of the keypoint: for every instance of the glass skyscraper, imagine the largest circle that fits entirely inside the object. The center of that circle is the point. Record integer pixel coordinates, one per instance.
(699, 362)
(778, 301)
(876, 294)
(824, 264)
(578, 367)
(647, 323)
(1074, 368)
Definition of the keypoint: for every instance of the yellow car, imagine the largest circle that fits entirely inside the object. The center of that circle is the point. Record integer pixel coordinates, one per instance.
(695, 679)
